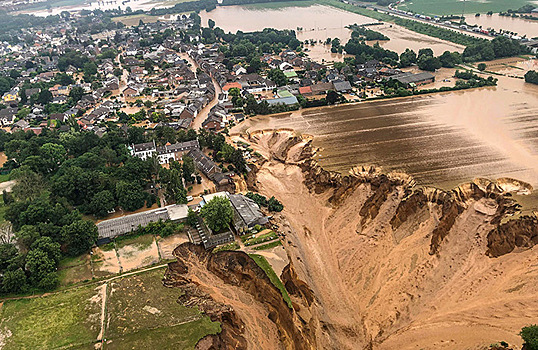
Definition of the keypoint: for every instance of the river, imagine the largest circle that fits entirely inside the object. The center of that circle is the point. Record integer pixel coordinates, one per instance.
(441, 139)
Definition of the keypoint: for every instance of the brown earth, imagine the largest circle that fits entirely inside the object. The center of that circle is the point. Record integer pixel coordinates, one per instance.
(375, 262)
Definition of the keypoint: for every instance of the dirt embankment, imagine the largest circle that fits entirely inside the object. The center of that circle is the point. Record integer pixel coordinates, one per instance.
(233, 290)
(386, 265)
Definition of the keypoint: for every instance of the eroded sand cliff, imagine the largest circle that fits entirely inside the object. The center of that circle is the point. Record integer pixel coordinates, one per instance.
(377, 263)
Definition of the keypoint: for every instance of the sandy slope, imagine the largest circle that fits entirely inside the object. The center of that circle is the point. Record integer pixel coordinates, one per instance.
(378, 287)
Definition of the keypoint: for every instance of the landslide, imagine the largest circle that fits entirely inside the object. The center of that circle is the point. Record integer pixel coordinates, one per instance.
(386, 264)
(233, 290)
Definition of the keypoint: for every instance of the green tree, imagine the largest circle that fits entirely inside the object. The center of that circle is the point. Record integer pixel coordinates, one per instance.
(529, 335)
(39, 265)
(218, 213)
(482, 67)
(76, 93)
(102, 203)
(211, 23)
(429, 63)
(14, 281)
(27, 235)
(130, 195)
(407, 58)
(47, 245)
(188, 169)
(79, 236)
(277, 76)
(44, 97)
(531, 77)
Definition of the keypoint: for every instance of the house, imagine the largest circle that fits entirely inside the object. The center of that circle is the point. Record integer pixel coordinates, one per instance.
(11, 96)
(411, 79)
(305, 90)
(130, 91)
(166, 153)
(204, 163)
(7, 116)
(321, 88)
(342, 86)
(247, 213)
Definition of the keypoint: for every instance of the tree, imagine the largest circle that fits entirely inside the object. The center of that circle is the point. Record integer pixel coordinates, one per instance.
(14, 281)
(90, 68)
(39, 265)
(27, 235)
(450, 59)
(531, 77)
(188, 168)
(8, 252)
(218, 213)
(277, 76)
(274, 204)
(47, 245)
(407, 58)
(76, 93)
(130, 196)
(44, 97)
(482, 67)
(529, 335)
(429, 63)
(211, 23)
(79, 236)
(102, 203)
(54, 154)
(332, 97)
(425, 52)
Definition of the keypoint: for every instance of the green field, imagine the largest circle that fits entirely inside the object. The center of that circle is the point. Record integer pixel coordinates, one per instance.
(140, 313)
(61, 320)
(457, 7)
(144, 312)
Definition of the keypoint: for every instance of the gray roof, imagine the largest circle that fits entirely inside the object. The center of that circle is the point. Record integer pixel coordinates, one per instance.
(408, 78)
(202, 161)
(342, 85)
(125, 224)
(248, 210)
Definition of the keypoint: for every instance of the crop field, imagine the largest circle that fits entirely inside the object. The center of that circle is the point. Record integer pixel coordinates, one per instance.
(456, 7)
(139, 313)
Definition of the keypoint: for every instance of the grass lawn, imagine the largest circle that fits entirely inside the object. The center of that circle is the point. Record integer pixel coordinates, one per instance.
(456, 7)
(183, 336)
(139, 242)
(75, 274)
(64, 319)
(268, 245)
(264, 264)
(4, 177)
(144, 312)
(229, 246)
(260, 238)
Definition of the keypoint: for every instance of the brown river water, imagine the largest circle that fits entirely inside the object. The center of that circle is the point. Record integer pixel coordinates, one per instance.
(441, 139)
(517, 25)
(319, 23)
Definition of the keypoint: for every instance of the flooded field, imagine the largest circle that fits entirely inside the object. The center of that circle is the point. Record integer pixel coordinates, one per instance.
(441, 139)
(319, 23)
(518, 25)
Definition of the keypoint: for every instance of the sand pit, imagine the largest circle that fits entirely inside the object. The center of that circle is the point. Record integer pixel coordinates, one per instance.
(168, 244)
(105, 262)
(136, 255)
(376, 285)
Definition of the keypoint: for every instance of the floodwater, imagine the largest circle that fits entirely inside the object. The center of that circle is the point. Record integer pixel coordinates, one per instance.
(441, 139)
(518, 25)
(135, 5)
(319, 23)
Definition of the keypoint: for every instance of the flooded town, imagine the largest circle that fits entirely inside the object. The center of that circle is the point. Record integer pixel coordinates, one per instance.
(257, 174)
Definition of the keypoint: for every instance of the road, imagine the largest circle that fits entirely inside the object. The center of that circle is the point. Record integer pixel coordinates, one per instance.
(202, 115)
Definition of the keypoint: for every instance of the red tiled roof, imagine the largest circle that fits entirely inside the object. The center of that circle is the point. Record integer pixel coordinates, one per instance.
(305, 90)
(228, 86)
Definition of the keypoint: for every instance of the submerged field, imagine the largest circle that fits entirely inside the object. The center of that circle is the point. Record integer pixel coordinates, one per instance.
(138, 312)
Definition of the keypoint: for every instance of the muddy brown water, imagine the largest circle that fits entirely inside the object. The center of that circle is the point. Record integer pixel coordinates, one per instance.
(518, 25)
(440, 139)
(319, 23)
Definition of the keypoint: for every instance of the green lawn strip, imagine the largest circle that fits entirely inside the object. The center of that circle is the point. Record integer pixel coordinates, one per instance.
(268, 245)
(261, 238)
(264, 264)
(4, 177)
(183, 336)
(456, 7)
(140, 242)
(230, 246)
(141, 302)
(68, 318)
(415, 26)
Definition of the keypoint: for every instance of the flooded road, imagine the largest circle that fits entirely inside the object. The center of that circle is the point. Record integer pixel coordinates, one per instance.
(319, 23)
(441, 139)
(517, 25)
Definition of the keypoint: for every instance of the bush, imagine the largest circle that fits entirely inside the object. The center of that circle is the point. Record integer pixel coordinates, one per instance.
(529, 335)
(482, 67)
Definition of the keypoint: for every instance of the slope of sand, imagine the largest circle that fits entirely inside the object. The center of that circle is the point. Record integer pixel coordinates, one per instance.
(379, 288)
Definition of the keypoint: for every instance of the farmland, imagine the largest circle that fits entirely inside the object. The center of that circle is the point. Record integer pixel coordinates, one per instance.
(455, 7)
